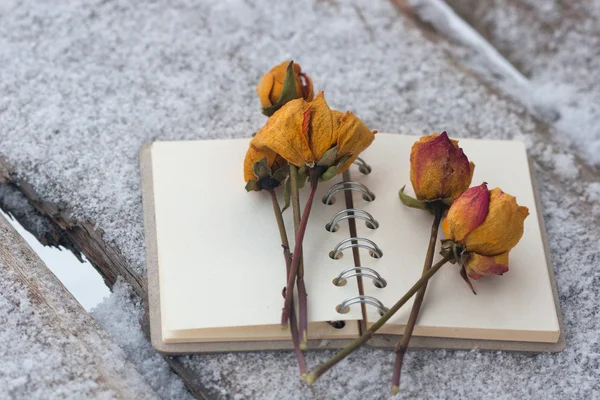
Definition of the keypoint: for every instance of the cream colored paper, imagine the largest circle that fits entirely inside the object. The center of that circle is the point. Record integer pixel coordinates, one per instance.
(219, 254)
(516, 306)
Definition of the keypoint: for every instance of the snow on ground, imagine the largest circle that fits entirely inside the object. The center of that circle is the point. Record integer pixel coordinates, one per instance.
(85, 84)
(120, 315)
(555, 44)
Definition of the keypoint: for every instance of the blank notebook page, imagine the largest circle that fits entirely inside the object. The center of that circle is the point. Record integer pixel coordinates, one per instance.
(518, 305)
(219, 250)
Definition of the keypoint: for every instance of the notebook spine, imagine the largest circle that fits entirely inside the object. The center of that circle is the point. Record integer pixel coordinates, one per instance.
(352, 214)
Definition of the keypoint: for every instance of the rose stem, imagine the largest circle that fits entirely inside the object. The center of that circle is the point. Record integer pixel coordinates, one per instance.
(296, 255)
(302, 295)
(324, 367)
(288, 263)
(401, 347)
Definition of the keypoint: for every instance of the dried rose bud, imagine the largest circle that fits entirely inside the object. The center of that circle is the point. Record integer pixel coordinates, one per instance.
(270, 87)
(438, 168)
(487, 224)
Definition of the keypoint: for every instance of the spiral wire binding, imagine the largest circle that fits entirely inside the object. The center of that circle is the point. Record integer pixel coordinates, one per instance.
(363, 167)
(361, 299)
(348, 186)
(357, 213)
(374, 250)
(355, 242)
(360, 271)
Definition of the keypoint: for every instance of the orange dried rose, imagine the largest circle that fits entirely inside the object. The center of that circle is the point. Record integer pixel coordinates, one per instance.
(270, 86)
(487, 224)
(311, 134)
(438, 168)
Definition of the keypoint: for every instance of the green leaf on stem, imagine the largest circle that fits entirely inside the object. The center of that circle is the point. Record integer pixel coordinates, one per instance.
(411, 202)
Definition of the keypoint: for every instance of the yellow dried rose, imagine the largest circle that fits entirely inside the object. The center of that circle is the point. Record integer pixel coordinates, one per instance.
(438, 168)
(263, 169)
(270, 87)
(311, 134)
(487, 224)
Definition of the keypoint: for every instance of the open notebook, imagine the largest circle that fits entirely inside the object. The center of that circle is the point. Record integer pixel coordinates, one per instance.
(216, 270)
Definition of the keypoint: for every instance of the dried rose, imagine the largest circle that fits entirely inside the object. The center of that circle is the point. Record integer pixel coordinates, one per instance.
(271, 87)
(486, 224)
(263, 169)
(438, 168)
(311, 134)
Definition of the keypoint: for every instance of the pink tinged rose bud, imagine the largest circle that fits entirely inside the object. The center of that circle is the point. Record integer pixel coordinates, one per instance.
(467, 212)
(478, 265)
(438, 168)
(487, 225)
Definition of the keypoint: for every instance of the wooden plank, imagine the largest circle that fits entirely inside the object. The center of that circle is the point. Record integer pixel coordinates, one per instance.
(40, 320)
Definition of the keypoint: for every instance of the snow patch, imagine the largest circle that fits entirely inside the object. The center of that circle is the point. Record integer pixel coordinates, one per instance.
(120, 314)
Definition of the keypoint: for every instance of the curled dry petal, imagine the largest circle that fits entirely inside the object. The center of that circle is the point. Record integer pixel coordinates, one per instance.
(323, 126)
(467, 212)
(353, 137)
(478, 265)
(502, 228)
(286, 133)
(271, 85)
(438, 168)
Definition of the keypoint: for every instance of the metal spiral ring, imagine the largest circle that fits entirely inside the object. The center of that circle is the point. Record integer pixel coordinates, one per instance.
(359, 271)
(361, 299)
(371, 246)
(363, 167)
(348, 186)
(339, 217)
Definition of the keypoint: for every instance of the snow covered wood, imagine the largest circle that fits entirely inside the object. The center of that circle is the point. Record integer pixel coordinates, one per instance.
(101, 79)
(50, 347)
(546, 52)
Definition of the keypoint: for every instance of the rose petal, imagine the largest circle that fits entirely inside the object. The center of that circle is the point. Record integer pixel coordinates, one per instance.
(324, 127)
(502, 228)
(353, 137)
(284, 133)
(264, 90)
(467, 213)
(478, 265)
